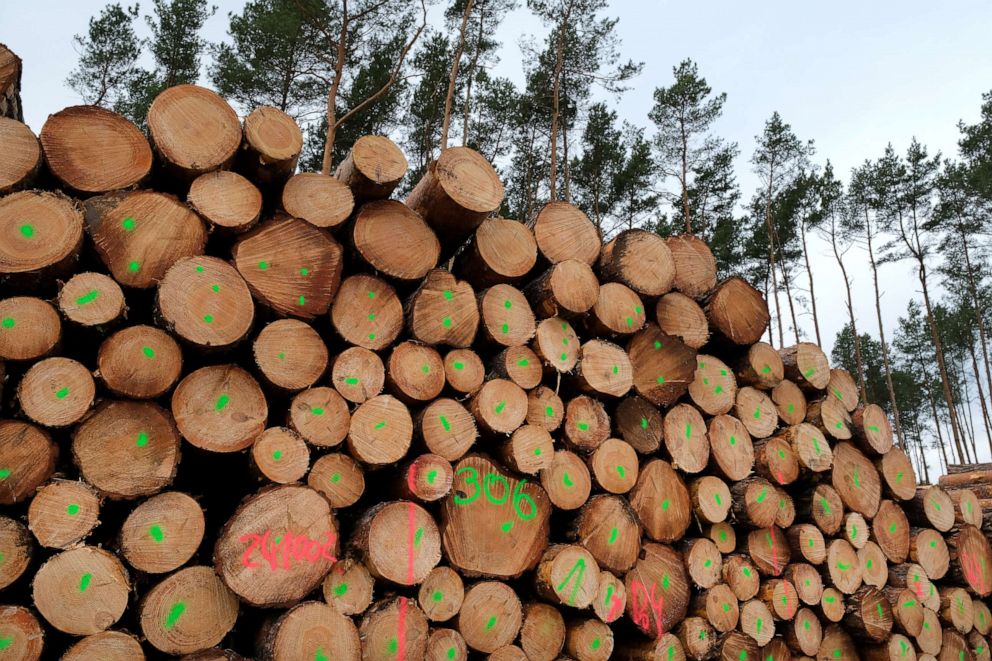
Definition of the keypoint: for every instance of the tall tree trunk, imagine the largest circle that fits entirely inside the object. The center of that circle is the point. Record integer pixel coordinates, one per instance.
(771, 252)
(936, 424)
(332, 94)
(979, 322)
(771, 337)
(565, 166)
(786, 281)
(685, 177)
(471, 76)
(986, 420)
(450, 98)
(812, 293)
(850, 313)
(555, 96)
(881, 336)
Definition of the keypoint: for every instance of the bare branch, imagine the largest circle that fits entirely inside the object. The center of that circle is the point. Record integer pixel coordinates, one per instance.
(454, 75)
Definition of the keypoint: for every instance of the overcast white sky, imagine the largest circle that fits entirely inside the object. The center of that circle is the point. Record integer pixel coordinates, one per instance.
(852, 75)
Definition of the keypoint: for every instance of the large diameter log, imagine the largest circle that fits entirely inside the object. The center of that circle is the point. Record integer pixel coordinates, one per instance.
(398, 542)
(489, 513)
(657, 589)
(662, 502)
(10, 94)
(663, 366)
(640, 260)
(443, 310)
(278, 546)
(567, 289)
(737, 311)
(290, 266)
(563, 232)
(22, 155)
(312, 630)
(695, 266)
(272, 146)
(205, 301)
(868, 614)
(141, 234)
(93, 150)
(81, 591)
(457, 192)
(141, 362)
(227, 200)
(373, 168)
(193, 131)
(500, 251)
(40, 235)
(189, 611)
(394, 240)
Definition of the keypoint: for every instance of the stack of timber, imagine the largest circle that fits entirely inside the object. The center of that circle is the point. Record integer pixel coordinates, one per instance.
(971, 486)
(253, 413)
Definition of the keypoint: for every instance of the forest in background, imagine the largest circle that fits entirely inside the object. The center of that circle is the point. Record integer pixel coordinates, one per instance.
(347, 68)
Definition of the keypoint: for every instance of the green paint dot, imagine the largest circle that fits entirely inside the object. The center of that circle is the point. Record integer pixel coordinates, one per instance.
(142, 439)
(8, 322)
(128, 224)
(451, 652)
(317, 410)
(742, 656)
(621, 471)
(88, 297)
(445, 423)
(431, 476)
(148, 351)
(222, 401)
(594, 645)
(351, 380)
(371, 336)
(437, 596)
(426, 369)
(661, 380)
(613, 535)
(27, 231)
(733, 440)
(491, 623)
(72, 509)
(506, 328)
(507, 526)
(707, 564)
(726, 607)
(304, 271)
(263, 266)
(892, 527)
(277, 455)
(418, 536)
(447, 294)
(664, 581)
(208, 318)
(6, 642)
(933, 543)
(616, 369)
(371, 316)
(134, 267)
(380, 424)
(718, 390)
(281, 355)
(392, 645)
(836, 651)
(665, 504)
(583, 426)
(507, 304)
(447, 322)
(84, 581)
(335, 478)
(657, 344)
(199, 269)
(4, 473)
(320, 655)
(549, 411)
(303, 301)
(500, 406)
(566, 480)
(781, 454)
(537, 452)
(746, 571)
(215, 288)
(791, 408)
(644, 423)
(630, 321)
(155, 532)
(62, 393)
(564, 356)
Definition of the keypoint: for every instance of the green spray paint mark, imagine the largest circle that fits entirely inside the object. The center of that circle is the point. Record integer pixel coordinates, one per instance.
(155, 532)
(142, 439)
(4, 473)
(320, 655)
(766, 369)
(742, 656)
(838, 395)
(431, 476)
(62, 393)
(263, 266)
(506, 328)
(892, 527)
(447, 322)
(857, 479)
(72, 509)
(688, 432)
(809, 372)
(665, 504)
(781, 454)
(371, 295)
(836, 652)
(726, 607)
(507, 526)
(933, 543)
(351, 380)
(8, 322)
(580, 567)
(208, 318)
(128, 224)
(445, 423)
(303, 299)
(426, 369)
(828, 599)
(616, 369)
(843, 566)
(718, 390)
(566, 480)
(335, 478)
(869, 563)
(537, 452)
(84, 581)
(661, 380)
(657, 345)
(199, 269)
(854, 532)
(644, 423)
(88, 297)
(935, 504)
(371, 336)
(811, 542)
(746, 571)
(134, 267)
(392, 645)
(630, 321)
(873, 428)
(757, 625)
(549, 411)
(707, 564)
(791, 408)
(380, 425)
(148, 351)
(215, 288)
(733, 440)
(5, 642)
(491, 623)
(825, 505)
(27, 231)
(621, 472)
(718, 499)
(281, 356)
(594, 645)
(175, 613)
(448, 294)
(418, 536)
(563, 356)
(277, 455)
(816, 446)
(304, 272)
(451, 652)
(371, 316)
(761, 496)
(222, 401)
(583, 426)
(757, 413)
(500, 406)
(613, 535)
(507, 304)
(437, 596)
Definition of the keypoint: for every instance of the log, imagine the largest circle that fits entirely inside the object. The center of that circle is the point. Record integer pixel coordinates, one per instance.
(806, 365)
(367, 312)
(109, 645)
(806, 540)
(272, 146)
(713, 388)
(703, 562)
(162, 533)
(446, 644)
(529, 450)
(63, 513)
(856, 480)
(931, 506)
(17, 549)
(790, 402)
(219, 408)
(374, 232)
(898, 476)
(501, 251)
(22, 155)
(373, 168)
(339, 478)
(736, 311)
(603, 369)
(56, 392)
(640, 424)
(829, 416)
(567, 481)
(280, 455)
(956, 609)
(320, 416)
(608, 528)
(398, 542)
(586, 425)
(874, 568)
(556, 344)
(742, 577)
(891, 532)
(507, 318)
(663, 366)
(40, 236)
(348, 587)
(393, 628)
(10, 106)
(658, 590)
(490, 617)
(542, 634)
(711, 499)
(843, 388)
(193, 131)
(312, 628)
(447, 428)
(731, 447)
(91, 150)
(695, 266)
(610, 599)
(441, 594)
(81, 591)
(189, 611)
(381, 431)
(567, 289)
(618, 311)
(228, 201)
(661, 501)
(414, 373)
(428, 478)
(290, 354)
(31, 328)
(92, 300)
(680, 316)
(868, 614)
(357, 374)
(757, 411)
(520, 365)
(685, 438)
(640, 260)
(563, 232)
(464, 371)
(443, 311)
(805, 633)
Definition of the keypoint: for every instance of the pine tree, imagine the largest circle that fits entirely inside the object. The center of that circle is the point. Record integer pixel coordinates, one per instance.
(975, 147)
(597, 171)
(684, 114)
(425, 109)
(108, 56)
(800, 209)
(637, 201)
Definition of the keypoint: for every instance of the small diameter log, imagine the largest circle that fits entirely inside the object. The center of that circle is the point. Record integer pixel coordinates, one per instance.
(872, 429)
(141, 234)
(162, 533)
(106, 645)
(843, 388)
(681, 317)
(127, 449)
(542, 634)
(806, 580)
(657, 589)
(490, 513)
(587, 425)
(931, 506)
(567, 289)
(56, 392)
(930, 638)
(912, 576)
(339, 478)
(441, 594)
(806, 365)
(856, 480)
(804, 633)
(556, 344)
(967, 507)
(81, 591)
(640, 424)
(91, 300)
(868, 614)
(604, 369)
(662, 502)
(414, 372)
(741, 576)
(563, 232)
(272, 146)
(983, 618)
(831, 417)
(618, 311)
(531, 450)
(837, 643)
(843, 567)
(278, 546)
(381, 431)
(724, 536)
(640, 260)
(281, 455)
(290, 354)
(589, 640)
(22, 156)
(499, 407)
(140, 362)
(928, 549)
(189, 611)
(490, 616)
(29, 328)
(695, 266)
(220, 408)
(507, 319)
(898, 475)
(789, 402)
(348, 588)
(228, 201)
(17, 547)
(320, 415)
(697, 636)
(769, 550)
(824, 508)
(457, 192)
(971, 555)
(711, 498)
(393, 629)
(731, 447)
(737, 311)
(719, 606)
(205, 302)
(93, 150)
(775, 460)
(608, 528)
(374, 235)
(193, 131)
(567, 481)
(685, 438)
(448, 429)
(874, 568)
(610, 599)
(663, 366)
(890, 529)
(357, 374)
(446, 645)
(443, 310)
(464, 371)
(757, 621)
(63, 513)
(567, 575)
(367, 312)
(312, 630)
(956, 608)
(757, 411)
(832, 605)
(290, 266)
(520, 365)
(40, 234)
(703, 562)
(856, 530)
(398, 541)
(713, 388)
(810, 448)
(373, 168)
(761, 367)
(500, 251)
(427, 478)
(614, 466)
(907, 611)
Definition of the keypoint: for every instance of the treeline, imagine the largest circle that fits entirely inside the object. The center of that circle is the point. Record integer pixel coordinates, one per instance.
(350, 68)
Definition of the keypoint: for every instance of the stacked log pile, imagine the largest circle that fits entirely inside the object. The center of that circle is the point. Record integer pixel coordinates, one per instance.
(249, 413)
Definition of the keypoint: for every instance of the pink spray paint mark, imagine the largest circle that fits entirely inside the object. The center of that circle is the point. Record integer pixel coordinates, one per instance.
(615, 608)
(411, 478)
(640, 611)
(401, 623)
(401, 634)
